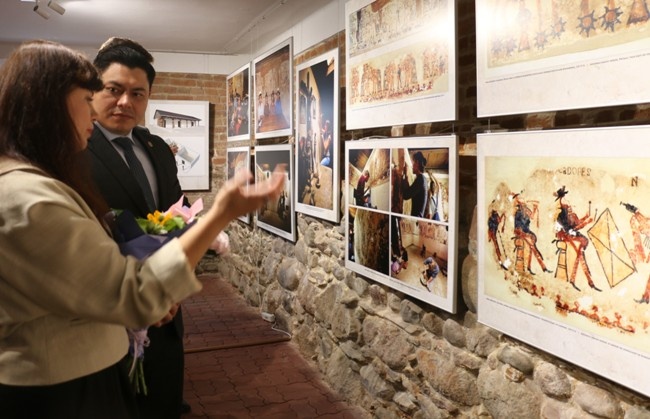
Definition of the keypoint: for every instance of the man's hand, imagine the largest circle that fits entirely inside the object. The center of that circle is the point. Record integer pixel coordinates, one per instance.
(168, 317)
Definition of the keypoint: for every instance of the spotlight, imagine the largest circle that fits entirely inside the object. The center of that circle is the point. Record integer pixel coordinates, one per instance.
(56, 7)
(42, 13)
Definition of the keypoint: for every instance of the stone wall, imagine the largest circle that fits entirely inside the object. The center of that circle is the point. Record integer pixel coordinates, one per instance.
(391, 354)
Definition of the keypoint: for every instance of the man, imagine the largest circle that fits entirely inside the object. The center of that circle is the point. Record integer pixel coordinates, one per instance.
(416, 191)
(361, 192)
(431, 271)
(127, 74)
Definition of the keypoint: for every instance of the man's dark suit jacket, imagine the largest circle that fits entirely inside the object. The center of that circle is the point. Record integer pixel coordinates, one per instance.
(163, 365)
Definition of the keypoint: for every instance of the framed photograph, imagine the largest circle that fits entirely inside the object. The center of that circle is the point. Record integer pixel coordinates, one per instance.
(552, 55)
(184, 125)
(277, 216)
(273, 92)
(563, 245)
(398, 73)
(401, 197)
(238, 158)
(317, 137)
(238, 104)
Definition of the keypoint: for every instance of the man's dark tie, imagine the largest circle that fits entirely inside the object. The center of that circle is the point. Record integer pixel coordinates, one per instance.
(137, 170)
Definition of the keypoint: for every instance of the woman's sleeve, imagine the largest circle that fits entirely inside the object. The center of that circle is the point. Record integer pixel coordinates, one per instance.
(59, 260)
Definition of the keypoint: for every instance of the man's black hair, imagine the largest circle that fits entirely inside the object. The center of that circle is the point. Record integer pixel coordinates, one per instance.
(126, 52)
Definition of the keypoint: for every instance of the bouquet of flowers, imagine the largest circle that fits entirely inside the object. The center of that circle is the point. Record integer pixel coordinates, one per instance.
(141, 237)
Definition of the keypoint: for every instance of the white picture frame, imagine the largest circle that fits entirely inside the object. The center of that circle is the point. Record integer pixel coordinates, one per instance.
(562, 264)
(397, 72)
(273, 79)
(277, 216)
(238, 111)
(238, 158)
(317, 137)
(394, 224)
(551, 55)
(185, 126)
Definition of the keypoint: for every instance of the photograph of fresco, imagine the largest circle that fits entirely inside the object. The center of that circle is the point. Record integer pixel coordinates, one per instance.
(401, 196)
(238, 158)
(184, 125)
(276, 216)
(317, 137)
(560, 54)
(273, 91)
(238, 111)
(399, 73)
(564, 245)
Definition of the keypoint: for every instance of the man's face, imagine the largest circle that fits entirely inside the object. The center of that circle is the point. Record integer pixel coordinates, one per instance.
(121, 104)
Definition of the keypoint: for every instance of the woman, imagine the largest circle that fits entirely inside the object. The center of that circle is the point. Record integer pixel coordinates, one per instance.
(66, 292)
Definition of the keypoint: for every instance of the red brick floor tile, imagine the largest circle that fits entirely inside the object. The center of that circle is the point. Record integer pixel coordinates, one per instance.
(238, 367)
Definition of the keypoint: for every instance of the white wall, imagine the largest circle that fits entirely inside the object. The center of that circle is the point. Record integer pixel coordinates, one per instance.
(322, 24)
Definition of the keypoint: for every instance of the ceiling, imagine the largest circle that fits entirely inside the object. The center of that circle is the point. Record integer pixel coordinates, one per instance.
(194, 26)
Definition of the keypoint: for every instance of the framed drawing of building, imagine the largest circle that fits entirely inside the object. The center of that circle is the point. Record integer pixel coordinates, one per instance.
(551, 55)
(273, 91)
(562, 231)
(238, 158)
(184, 125)
(277, 216)
(401, 196)
(396, 72)
(317, 137)
(238, 104)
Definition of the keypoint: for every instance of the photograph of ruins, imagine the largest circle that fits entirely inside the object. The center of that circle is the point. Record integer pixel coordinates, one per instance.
(564, 244)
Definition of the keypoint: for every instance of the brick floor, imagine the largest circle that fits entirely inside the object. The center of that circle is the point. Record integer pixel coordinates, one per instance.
(238, 366)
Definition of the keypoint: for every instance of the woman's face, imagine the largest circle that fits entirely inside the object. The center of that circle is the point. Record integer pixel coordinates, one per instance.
(82, 114)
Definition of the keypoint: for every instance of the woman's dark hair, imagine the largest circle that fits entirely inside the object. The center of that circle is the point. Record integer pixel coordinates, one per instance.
(35, 125)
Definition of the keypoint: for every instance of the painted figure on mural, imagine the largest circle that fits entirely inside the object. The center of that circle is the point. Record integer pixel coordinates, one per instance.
(568, 226)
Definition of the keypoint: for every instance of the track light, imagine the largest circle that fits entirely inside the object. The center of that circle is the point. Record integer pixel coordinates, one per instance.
(56, 7)
(42, 13)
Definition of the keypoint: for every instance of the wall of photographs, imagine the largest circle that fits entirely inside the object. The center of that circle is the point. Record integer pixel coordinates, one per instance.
(535, 60)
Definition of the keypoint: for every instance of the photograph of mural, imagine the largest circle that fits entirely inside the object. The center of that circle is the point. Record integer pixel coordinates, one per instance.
(277, 216)
(560, 54)
(238, 158)
(273, 91)
(565, 252)
(184, 125)
(238, 105)
(396, 73)
(401, 196)
(317, 137)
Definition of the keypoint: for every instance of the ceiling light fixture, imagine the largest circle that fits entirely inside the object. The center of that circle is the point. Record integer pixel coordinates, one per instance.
(41, 12)
(56, 7)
